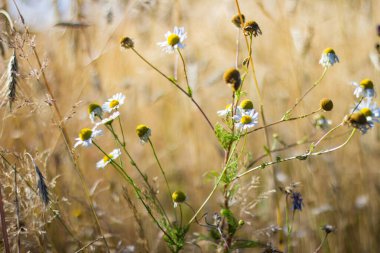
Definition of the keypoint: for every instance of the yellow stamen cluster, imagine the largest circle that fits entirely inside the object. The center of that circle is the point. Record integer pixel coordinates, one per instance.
(173, 39)
(329, 51)
(179, 197)
(366, 84)
(246, 119)
(114, 103)
(107, 158)
(85, 134)
(246, 104)
(366, 111)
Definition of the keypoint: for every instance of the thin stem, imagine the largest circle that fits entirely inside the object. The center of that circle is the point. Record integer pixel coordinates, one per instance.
(176, 85)
(189, 91)
(213, 190)
(288, 113)
(299, 157)
(322, 242)
(3, 224)
(17, 204)
(159, 165)
(88, 245)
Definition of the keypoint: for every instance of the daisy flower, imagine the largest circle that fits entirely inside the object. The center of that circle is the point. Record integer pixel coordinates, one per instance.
(370, 110)
(328, 58)
(114, 102)
(95, 110)
(245, 120)
(173, 40)
(143, 132)
(109, 120)
(225, 112)
(364, 89)
(86, 135)
(108, 158)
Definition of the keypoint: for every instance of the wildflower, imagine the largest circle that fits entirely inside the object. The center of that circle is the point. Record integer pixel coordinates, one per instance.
(86, 135)
(225, 112)
(252, 28)
(326, 104)
(114, 102)
(174, 40)
(109, 120)
(127, 43)
(237, 20)
(359, 121)
(232, 77)
(246, 119)
(364, 89)
(370, 110)
(178, 197)
(328, 58)
(328, 228)
(95, 110)
(108, 158)
(297, 201)
(246, 105)
(143, 132)
(321, 122)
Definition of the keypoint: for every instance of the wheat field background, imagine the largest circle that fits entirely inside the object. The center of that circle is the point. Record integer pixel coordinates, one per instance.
(84, 64)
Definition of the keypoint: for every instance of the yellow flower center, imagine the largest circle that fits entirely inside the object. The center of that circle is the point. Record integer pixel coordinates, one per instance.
(246, 104)
(178, 197)
(141, 130)
(85, 134)
(366, 84)
(366, 111)
(114, 103)
(329, 51)
(173, 39)
(93, 107)
(246, 119)
(107, 158)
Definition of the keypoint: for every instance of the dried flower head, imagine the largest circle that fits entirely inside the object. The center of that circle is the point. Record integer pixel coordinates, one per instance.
(173, 40)
(232, 77)
(127, 43)
(178, 197)
(246, 104)
(326, 104)
(328, 228)
(95, 110)
(252, 28)
(328, 58)
(143, 132)
(364, 89)
(237, 20)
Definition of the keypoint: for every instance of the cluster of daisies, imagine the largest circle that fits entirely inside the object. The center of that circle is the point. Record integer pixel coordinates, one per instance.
(366, 111)
(97, 115)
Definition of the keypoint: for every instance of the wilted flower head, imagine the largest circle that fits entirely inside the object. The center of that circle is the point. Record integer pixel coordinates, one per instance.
(232, 77)
(321, 122)
(328, 228)
(86, 135)
(297, 201)
(326, 104)
(236, 20)
(95, 110)
(127, 43)
(328, 58)
(245, 120)
(143, 132)
(173, 40)
(178, 197)
(364, 89)
(252, 28)
(359, 121)
(108, 158)
(114, 102)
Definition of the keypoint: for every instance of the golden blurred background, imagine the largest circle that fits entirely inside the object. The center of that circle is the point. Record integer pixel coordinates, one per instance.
(78, 44)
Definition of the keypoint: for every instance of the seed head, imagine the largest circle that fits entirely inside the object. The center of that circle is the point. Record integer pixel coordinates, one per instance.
(328, 228)
(232, 77)
(366, 84)
(179, 197)
(236, 20)
(127, 43)
(252, 28)
(326, 104)
(246, 104)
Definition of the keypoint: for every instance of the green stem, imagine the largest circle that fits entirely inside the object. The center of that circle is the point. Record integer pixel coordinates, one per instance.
(189, 91)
